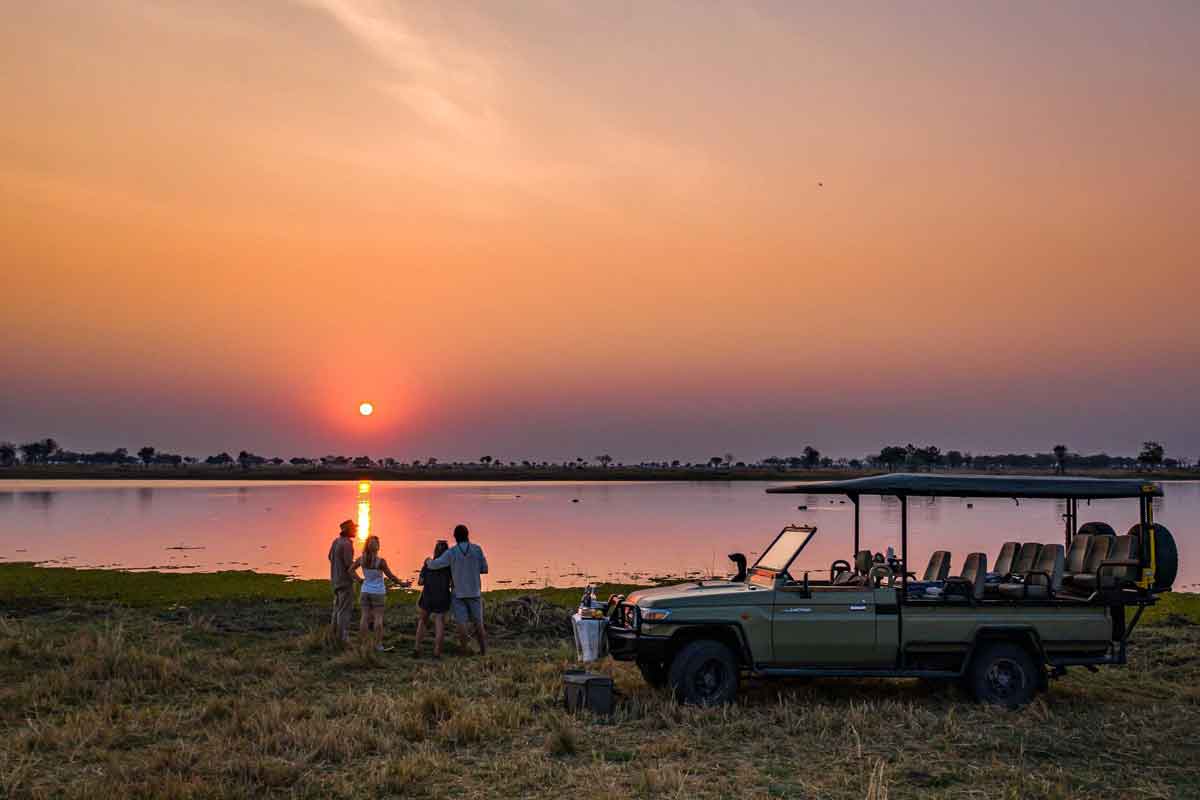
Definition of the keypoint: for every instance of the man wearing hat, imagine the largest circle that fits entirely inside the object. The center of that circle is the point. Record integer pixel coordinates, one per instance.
(341, 558)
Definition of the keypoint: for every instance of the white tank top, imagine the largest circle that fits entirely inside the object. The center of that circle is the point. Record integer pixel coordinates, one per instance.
(373, 581)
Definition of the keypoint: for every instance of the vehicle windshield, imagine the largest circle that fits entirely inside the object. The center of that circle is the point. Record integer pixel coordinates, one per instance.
(785, 547)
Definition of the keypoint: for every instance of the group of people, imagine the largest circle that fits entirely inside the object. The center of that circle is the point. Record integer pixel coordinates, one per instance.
(449, 582)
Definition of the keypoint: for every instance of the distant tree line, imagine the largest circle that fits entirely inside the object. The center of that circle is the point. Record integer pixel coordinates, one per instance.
(893, 457)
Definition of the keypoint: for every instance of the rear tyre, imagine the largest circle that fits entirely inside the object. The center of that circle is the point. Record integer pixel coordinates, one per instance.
(654, 672)
(704, 673)
(1003, 674)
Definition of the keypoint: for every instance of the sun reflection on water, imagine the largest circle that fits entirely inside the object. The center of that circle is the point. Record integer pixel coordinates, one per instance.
(364, 510)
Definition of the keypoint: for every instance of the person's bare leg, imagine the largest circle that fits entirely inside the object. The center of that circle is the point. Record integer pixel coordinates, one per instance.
(439, 632)
(364, 621)
(378, 615)
(462, 637)
(422, 618)
(481, 635)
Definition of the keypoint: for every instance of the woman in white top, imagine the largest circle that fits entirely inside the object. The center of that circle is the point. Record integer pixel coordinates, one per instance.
(374, 591)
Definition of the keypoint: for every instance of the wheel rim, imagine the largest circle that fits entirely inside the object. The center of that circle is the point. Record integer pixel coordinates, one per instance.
(709, 679)
(1005, 678)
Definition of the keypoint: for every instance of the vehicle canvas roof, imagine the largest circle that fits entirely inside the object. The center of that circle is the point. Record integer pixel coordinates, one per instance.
(909, 484)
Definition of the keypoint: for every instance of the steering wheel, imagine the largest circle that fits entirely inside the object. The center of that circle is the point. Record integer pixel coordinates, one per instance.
(878, 573)
(841, 565)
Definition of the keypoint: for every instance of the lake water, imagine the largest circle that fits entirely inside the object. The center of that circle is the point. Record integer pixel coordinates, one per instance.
(534, 534)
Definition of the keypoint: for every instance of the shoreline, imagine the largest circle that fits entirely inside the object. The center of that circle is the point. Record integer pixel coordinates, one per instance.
(520, 474)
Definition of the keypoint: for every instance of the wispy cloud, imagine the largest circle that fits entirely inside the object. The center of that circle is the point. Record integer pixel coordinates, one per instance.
(479, 119)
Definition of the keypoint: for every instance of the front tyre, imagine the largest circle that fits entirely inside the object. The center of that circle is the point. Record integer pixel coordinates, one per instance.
(704, 673)
(1003, 674)
(654, 672)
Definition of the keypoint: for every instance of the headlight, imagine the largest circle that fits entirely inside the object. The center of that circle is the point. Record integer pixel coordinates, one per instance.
(654, 614)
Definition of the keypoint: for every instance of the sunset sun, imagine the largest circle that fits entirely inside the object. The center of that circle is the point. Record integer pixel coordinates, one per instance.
(366, 409)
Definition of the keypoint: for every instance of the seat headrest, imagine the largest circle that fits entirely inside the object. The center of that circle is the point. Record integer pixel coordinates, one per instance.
(863, 561)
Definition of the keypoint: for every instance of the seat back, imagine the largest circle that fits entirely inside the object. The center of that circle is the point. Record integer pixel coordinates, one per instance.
(1008, 554)
(1077, 555)
(1097, 553)
(939, 566)
(974, 571)
(1124, 548)
(863, 561)
(1049, 563)
(1026, 557)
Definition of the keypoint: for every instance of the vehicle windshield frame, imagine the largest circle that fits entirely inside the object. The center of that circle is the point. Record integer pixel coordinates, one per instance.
(808, 532)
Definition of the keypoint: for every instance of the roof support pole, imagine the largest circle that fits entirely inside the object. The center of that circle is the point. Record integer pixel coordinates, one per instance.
(854, 499)
(903, 547)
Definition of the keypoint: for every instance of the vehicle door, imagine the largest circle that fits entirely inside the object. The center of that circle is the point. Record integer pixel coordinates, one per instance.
(827, 626)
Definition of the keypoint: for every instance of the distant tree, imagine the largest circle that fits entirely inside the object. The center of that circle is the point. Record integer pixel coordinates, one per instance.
(276, 461)
(219, 460)
(431, 462)
(811, 457)
(604, 460)
(146, 454)
(1060, 458)
(1151, 455)
(675, 463)
(364, 461)
(244, 459)
(728, 460)
(297, 461)
(826, 462)
(8, 454)
(855, 463)
(892, 456)
(954, 459)
(715, 461)
(190, 460)
(32, 452)
(486, 460)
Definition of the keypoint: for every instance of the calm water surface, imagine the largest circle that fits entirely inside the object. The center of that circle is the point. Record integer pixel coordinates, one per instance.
(534, 533)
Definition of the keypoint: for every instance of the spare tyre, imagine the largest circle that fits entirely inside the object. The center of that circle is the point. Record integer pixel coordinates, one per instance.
(1166, 556)
(1096, 529)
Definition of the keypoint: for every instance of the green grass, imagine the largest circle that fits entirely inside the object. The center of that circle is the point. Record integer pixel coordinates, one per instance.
(109, 688)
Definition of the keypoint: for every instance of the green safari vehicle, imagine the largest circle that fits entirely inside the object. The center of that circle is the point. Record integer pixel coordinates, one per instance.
(1002, 627)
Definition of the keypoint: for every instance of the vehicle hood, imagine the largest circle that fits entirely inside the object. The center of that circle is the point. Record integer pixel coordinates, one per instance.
(707, 593)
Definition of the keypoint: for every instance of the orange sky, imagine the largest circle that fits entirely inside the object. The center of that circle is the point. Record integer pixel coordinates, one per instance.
(543, 229)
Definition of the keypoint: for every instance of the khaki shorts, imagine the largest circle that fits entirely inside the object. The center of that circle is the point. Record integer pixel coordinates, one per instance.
(370, 600)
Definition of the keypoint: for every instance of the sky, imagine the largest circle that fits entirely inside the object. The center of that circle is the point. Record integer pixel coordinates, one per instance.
(548, 229)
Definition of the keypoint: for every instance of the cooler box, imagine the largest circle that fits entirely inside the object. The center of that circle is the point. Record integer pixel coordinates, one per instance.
(590, 690)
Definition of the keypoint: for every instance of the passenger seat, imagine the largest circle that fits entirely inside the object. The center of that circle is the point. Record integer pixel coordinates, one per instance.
(939, 566)
(1041, 582)
(970, 581)
(1004, 561)
(1077, 555)
(1118, 565)
(1026, 558)
(1096, 555)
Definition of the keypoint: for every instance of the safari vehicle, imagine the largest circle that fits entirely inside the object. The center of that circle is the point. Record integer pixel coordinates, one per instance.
(1002, 628)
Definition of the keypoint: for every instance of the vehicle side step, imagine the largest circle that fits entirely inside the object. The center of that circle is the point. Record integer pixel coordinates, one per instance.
(827, 672)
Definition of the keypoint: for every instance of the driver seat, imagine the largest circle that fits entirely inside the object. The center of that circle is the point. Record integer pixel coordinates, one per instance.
(863, 561)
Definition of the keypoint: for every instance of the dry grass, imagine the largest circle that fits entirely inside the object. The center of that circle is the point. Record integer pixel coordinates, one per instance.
(142, 703)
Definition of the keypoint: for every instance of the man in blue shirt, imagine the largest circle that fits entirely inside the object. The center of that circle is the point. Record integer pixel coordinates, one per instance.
(466, 562)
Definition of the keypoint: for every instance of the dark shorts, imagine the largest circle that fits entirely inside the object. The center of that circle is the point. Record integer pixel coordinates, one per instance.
(370, 600)
(467, 609)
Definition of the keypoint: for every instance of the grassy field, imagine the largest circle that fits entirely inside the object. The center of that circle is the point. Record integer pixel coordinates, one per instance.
(199, 686)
